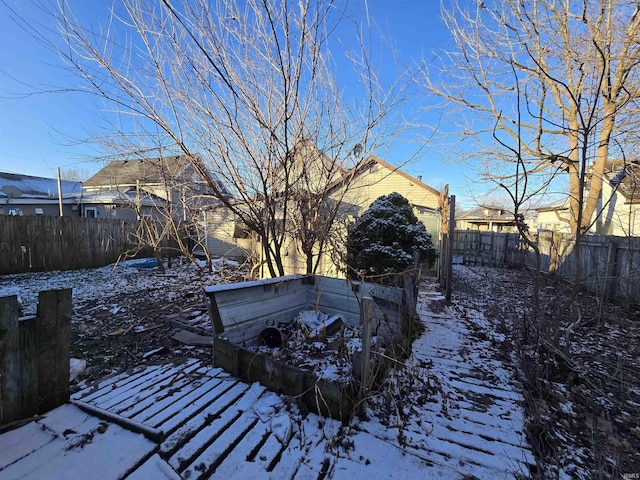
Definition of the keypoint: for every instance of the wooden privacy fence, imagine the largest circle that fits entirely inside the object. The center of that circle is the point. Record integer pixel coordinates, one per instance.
(472, 247)
(610, 265)
(43, 243)
(34, 356)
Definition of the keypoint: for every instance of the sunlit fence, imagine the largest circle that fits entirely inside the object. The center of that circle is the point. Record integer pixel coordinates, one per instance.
(43, 243)
(610, 265)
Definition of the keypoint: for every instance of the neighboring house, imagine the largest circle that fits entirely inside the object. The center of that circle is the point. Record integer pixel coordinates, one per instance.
(357, 190)
(553, 217)
(486, 219)
(618, 208)
(225, 235)
(151, 187)
(28, 195)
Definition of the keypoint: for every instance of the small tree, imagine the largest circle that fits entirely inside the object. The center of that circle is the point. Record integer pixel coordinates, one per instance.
(386, 240)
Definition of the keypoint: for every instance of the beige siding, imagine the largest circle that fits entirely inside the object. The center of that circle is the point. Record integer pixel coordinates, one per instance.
(220, 226)
(369, 185)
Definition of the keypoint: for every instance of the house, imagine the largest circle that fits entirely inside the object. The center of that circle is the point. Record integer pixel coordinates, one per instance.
(227, 235)
(146, 187)
(553, 217)
(486, 219)
(617, 211)
(356, 190)
(29, 195)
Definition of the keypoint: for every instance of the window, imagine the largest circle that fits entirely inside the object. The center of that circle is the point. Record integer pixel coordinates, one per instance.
(39, 211)
(91, 212)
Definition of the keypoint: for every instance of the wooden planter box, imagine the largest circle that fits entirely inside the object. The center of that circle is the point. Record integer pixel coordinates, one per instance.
(240, 311)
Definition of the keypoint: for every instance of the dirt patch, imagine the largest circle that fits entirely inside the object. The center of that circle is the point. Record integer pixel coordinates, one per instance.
(579, 367)
(124, 316)
(125, 329)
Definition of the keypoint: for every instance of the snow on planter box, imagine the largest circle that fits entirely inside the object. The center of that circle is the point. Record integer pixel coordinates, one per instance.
(298, 334)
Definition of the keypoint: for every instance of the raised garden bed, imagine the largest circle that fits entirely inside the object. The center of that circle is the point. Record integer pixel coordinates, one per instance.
(247, 317)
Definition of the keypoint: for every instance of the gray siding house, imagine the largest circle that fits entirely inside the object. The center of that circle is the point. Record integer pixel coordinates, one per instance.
(156, 188)
(29, 195)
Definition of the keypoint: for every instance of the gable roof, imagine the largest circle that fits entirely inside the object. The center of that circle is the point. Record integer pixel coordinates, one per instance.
(15, 185)
(625, 178)
(487, 213)
(144, 170)
(373, 160)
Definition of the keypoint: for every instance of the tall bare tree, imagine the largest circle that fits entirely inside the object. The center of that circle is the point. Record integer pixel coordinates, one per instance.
(577, 63)
(240, 87)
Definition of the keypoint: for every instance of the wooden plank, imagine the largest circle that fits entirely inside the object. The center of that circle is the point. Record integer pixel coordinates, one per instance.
(126, 396)
(155, 468)
(151, 433)
(175, 441)
(185, 457)
(165, 397)
(239, 463)
(23, 441)
(179, 401)
(205, 463)
(28, 365)
(305, 440)
(194, 407)
(84, 447)
(259, 311)
(10, 361)
(53, 336)
(104, 387)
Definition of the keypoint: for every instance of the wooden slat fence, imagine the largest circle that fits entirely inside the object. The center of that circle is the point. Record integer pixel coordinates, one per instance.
(610, 265)
(472, 247)
(43, 243)
(34, 356)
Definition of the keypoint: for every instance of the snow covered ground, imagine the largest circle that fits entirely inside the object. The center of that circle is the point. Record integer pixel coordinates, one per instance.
(454, 411)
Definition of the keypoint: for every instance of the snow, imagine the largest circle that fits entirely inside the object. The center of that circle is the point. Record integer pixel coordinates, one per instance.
(88, 284)
(453, 412)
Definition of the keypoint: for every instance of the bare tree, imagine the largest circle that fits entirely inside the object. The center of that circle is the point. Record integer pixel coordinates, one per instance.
(75, 174)
(242, 88)
(578, 68)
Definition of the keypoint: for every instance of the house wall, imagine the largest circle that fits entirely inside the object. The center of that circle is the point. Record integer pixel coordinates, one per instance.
(619, 218)
(219, 228)
(548, 220)
(378, 181)
(361, 193)
(614, 216)
(49, 209)
(117, 212)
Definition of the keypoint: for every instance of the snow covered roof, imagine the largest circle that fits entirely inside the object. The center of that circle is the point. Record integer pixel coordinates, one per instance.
(127, 197)
(15, 185)
(486, 213)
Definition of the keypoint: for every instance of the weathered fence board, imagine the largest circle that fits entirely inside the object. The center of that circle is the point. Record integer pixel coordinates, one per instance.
(53, 334)
(34, 356)
(610, 265)
(43, 243)
(9, 360)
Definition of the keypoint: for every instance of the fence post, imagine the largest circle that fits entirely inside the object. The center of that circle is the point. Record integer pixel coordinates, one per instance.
(452, 231)
(28, 365)
(9, 361)
(366, 317)
(53, 332)
(610, 274)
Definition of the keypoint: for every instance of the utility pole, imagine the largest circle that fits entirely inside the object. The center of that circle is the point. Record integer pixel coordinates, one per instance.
(60, 193)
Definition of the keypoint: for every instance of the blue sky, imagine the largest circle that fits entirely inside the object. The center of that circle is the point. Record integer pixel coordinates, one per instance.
(39, 133)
